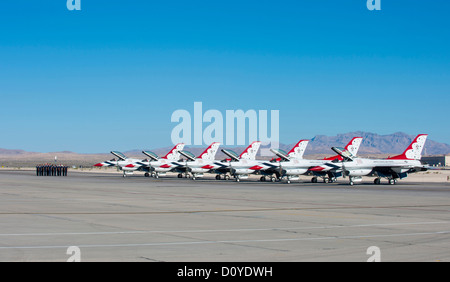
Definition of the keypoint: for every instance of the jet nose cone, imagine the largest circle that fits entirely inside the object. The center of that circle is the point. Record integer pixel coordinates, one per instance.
(130, 166)
(98, 165)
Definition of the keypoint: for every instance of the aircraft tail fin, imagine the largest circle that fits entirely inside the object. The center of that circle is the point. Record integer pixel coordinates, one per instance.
(210, 152)
(353, 145)
(174, 154)
(414, 150)
(250, 152)
(298, 150)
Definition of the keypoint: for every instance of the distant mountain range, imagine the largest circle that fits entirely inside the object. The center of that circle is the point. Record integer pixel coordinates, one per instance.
(11, 152)
(373, 144)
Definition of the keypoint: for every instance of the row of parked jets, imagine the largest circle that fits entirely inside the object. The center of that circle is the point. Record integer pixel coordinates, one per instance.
(286, 166)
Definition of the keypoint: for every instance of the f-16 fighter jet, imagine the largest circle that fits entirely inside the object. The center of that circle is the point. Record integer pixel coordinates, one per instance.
(392, 168)
(197, 166)
(156, 165)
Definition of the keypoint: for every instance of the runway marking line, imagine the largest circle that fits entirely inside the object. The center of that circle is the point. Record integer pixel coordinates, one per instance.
(228, 210)
(232, 241)
(223, 230)
(228, 230)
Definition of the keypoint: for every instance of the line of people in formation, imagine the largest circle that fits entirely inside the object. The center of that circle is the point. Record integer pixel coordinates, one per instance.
(51, 170)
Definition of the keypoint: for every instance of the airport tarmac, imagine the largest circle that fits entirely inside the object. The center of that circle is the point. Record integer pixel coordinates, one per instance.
(111, 218)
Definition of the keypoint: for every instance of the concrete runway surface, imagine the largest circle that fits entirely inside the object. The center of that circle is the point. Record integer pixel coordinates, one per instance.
(110, 218)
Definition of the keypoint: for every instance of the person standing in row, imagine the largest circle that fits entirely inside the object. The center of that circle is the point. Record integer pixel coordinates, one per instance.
(51, 170)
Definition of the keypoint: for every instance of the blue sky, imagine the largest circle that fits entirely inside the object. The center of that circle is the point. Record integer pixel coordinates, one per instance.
(111, 75)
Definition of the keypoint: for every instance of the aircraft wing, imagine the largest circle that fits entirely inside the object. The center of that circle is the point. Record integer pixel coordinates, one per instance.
(399, 170)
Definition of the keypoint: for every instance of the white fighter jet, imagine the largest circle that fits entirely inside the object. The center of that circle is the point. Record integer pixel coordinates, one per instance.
(245, 164)
(392, 168)
(228, 166)
(327, 173)
(288, 165)
(159, 166)
(155, 166)
(291, 165)
(122, 162)
(197, 166)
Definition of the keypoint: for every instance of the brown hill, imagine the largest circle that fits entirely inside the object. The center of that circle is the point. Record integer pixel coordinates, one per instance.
(319, 146)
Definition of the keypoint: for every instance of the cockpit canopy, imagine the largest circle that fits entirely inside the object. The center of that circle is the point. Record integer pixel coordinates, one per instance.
(188, 155)
(344, 153)
(151, 155)
(281, 153)
(119, 155)
(232, 154)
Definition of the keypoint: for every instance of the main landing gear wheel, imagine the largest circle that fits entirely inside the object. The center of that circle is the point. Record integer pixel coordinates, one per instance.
(377, 181)
(392, 181)
(314, 180)
(218, 177)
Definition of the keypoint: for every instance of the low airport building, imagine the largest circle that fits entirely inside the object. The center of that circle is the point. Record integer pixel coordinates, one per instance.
(443, 160)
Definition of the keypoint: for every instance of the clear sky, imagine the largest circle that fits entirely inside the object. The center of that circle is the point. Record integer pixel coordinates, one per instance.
(110, 76)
